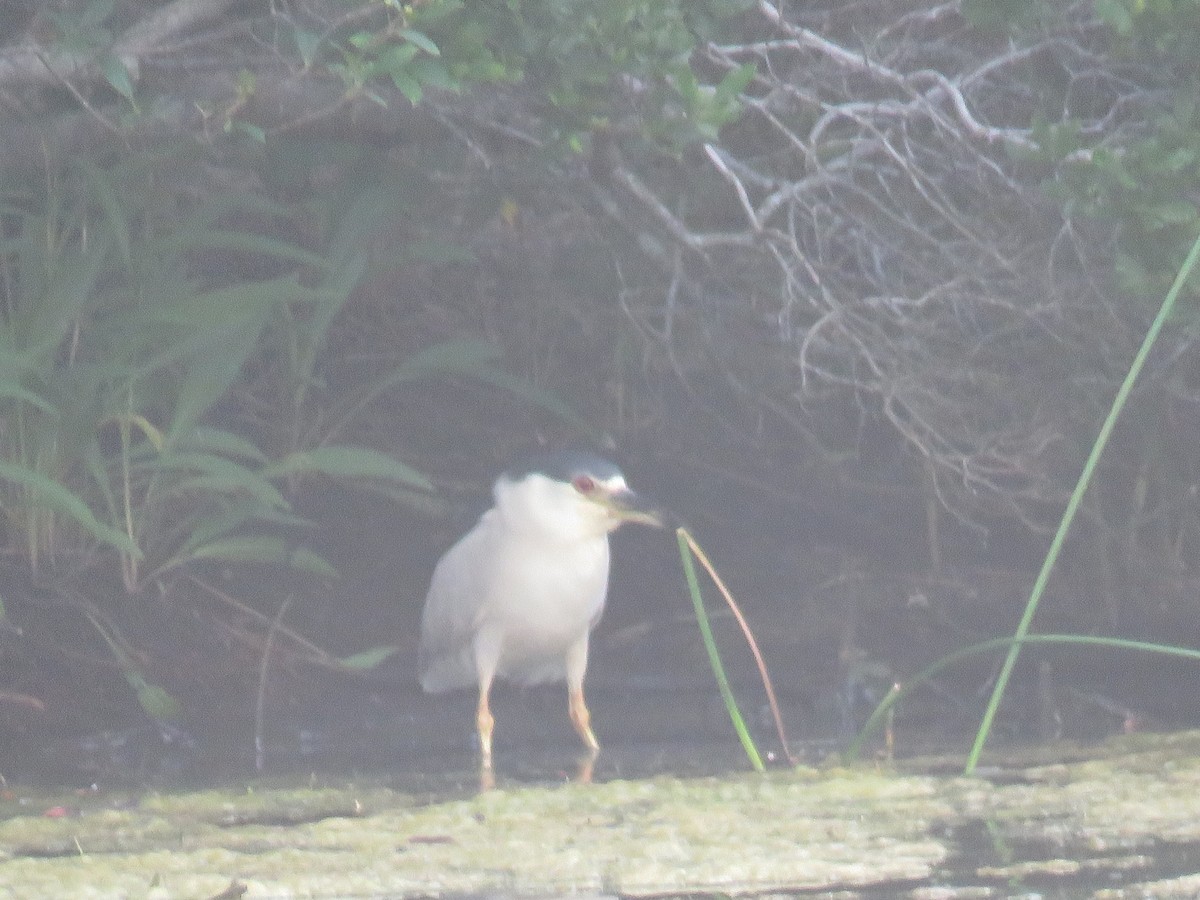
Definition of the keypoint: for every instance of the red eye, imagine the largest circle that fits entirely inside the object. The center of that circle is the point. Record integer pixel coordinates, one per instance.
(585, 484)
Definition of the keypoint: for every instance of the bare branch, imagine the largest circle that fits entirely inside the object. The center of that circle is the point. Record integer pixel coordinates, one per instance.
(895, 244)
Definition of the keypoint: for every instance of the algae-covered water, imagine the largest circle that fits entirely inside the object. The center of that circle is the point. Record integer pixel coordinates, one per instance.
(1119, 819)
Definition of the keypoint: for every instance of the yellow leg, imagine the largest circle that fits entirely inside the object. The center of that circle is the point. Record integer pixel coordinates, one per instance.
(581, 718)
(484, 723)
(586, 766)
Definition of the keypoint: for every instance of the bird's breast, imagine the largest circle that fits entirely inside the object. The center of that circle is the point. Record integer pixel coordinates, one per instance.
(545, 598)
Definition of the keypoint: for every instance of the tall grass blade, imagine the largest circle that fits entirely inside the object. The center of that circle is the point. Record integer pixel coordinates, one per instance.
(714, 657)
(1085, 478)
(900, 691)
(751, 641)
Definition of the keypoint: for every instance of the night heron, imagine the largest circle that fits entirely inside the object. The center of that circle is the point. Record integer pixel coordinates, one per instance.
(519, 593)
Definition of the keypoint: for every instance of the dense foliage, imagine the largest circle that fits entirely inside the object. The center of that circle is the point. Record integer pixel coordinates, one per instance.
(884, 259)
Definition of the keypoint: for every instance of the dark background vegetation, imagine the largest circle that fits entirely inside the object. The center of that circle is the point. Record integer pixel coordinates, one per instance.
(850, 285)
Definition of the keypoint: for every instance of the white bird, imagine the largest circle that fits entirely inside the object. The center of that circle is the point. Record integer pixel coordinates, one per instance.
(519, 593)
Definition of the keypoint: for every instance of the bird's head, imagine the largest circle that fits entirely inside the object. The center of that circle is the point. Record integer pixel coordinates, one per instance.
(575, 494)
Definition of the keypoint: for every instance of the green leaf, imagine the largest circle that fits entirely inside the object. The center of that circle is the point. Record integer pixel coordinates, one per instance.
(1180, 159)
(95, 12)
(157, 703)
(1115, 15)
(307, 43)
(209, 377)
(195, 238)
(16, 392)
(144, 425)
(255, 132)
(396, 58)
(234, 304)
(429, 13)
(1171, 213)
(266, 549)
(420, 40)
(210, 473)
(335, 291)
(686, 84)
(55, 310)
(419, 501)
(223, 443)
(463, 356)
(368, 659)
(208, 528)
(341, 461)
(203, 486)
(433, 73)
(117, 75)
(408, 86)
(735, 82)
(47, 493)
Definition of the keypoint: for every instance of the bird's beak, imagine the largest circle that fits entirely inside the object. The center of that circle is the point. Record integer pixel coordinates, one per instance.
(628, 506)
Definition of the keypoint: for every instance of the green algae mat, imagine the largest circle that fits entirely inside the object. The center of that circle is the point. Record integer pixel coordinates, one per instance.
(1119, 819)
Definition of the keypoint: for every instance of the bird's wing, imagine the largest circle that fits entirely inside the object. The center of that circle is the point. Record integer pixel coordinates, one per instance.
(453, 607)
